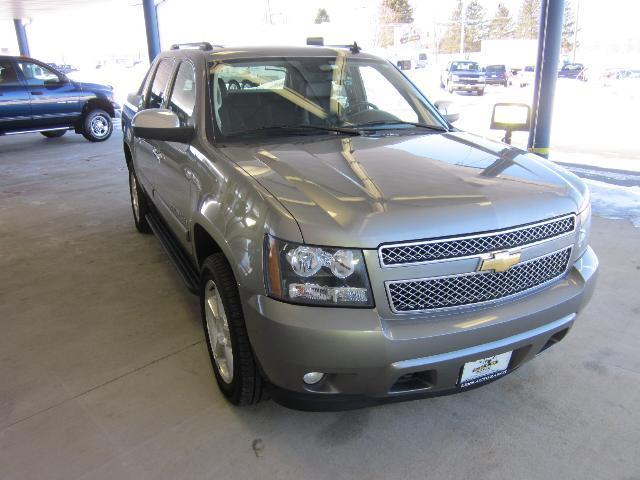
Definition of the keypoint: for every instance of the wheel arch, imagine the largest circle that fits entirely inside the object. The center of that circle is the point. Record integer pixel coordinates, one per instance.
(101, 103)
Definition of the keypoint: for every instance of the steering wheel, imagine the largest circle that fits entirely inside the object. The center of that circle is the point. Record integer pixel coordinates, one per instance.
(357, 107)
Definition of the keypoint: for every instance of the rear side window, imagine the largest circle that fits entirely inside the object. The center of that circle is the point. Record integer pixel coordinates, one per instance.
(8, 75)
(159, 85)
(183, 96)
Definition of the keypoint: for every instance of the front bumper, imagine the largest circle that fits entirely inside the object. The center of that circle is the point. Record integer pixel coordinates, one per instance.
(369, 359)
(467, 86)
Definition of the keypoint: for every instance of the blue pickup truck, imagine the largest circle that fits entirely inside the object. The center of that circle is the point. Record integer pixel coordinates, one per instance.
(34, 97)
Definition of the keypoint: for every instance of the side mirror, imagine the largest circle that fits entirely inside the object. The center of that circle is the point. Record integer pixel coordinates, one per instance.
(511, 117)
(447, 110)
(160, 124)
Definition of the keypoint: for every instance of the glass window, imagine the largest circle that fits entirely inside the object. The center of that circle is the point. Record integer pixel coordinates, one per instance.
(8, 75)
(183, 96)
(159, 85)
(265, 96)
(36, 74)
(462, 66)
(384, 95)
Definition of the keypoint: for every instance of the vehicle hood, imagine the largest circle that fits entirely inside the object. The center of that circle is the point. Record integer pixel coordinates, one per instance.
(364, 191)
(95, 87)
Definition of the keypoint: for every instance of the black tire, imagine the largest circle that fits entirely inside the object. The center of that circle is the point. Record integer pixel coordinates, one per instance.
(481, 92)
(233, 85)
(247, 84)
(54, 133)
(97, 125)
(246, 386)
(441, 84)
(138, 198)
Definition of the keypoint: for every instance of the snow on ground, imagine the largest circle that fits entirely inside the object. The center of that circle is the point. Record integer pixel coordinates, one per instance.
(614, 201)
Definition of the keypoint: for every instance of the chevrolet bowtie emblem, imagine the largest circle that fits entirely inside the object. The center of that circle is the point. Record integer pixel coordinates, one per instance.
(499, 261)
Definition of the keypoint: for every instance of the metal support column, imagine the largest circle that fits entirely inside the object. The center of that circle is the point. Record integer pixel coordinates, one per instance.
(549, 41)
(151, 27)
(21, 35)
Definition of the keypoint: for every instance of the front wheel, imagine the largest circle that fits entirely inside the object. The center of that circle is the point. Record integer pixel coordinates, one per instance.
(54, 133)
(481, 92)
(234, 365)
(97, 125)
(450, 88)
(139, 204)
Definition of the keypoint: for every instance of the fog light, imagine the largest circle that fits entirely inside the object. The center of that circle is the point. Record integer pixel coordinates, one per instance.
(312, 378)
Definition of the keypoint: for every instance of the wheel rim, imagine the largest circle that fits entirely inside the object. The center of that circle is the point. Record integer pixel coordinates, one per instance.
(99, 126)
(218, 332)
(134, 196)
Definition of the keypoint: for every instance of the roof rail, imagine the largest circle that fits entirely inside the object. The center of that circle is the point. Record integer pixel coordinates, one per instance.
(199, 45)
(319, 42)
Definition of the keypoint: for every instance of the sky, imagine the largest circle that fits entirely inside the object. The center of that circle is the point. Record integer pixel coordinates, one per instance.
(608, 28)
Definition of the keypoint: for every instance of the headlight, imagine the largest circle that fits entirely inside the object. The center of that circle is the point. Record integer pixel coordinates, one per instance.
(455, 78)
(584, 225)
(315, 275)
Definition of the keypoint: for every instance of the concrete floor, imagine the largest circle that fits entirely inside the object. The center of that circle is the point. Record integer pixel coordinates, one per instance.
(104, 373)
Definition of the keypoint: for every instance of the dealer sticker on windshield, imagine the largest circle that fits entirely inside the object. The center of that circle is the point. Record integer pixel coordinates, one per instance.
(484, 369)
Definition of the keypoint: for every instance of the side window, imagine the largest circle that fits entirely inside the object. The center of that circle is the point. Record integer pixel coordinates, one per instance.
(36, 74)
(159, 85)
(8, 75)
(384, 95)
(183, 95)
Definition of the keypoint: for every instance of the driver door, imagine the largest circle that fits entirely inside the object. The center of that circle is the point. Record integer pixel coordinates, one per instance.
(55, 100)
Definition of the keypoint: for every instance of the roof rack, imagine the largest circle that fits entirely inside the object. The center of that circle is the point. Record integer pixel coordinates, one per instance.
(198, 45)
(319, 42)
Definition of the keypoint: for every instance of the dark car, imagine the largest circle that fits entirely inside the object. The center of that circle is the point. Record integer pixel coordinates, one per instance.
(35, 97)
(463, 76)
(497, 75)
(572, 70)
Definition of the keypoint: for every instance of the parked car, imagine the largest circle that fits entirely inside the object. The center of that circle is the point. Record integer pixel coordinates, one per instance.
(497, 75)
(348, 245)
(526, 76)
(572, 70)
(463, 76)
(34, 97)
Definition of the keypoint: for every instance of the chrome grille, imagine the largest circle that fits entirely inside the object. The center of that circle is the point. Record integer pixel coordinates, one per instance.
(473, 288)
(475, 244)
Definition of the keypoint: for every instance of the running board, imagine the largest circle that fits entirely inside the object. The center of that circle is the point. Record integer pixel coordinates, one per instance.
(177, 255)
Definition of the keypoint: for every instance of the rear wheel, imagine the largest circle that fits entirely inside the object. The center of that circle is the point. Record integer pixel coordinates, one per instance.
(234, 365)
(97, 125)
(233, 85)
(54, 133)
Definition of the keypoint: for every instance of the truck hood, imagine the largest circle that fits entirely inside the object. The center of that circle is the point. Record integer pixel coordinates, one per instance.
(364, 191)
(95, 87)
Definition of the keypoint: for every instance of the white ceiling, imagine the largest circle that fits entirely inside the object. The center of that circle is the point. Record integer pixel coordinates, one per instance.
(33, 8)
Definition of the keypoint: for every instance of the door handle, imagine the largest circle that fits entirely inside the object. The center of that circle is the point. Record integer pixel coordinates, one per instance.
(36, 93)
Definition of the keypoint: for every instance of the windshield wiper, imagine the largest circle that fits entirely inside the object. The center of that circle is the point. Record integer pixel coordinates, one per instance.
(386, 123)
(296, 128)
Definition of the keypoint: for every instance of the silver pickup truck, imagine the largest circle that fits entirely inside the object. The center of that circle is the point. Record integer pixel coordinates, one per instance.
(349, 245)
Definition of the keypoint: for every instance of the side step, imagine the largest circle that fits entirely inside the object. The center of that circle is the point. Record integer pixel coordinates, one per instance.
(177, 255)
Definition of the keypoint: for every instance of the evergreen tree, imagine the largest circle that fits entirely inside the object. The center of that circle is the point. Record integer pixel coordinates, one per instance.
(397, 11)
(568, 28)
(322, 16)
(501, 25)
(450, 41)
(528, 19)
(475, 27)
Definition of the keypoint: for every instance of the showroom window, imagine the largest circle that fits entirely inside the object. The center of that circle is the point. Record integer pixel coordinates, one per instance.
(183, 96)
(159, 85)
(36, 74)
(8, 75)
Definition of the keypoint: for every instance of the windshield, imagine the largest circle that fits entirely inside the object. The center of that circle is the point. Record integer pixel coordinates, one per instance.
(495, 68)
(318, 93)
(458, 66)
